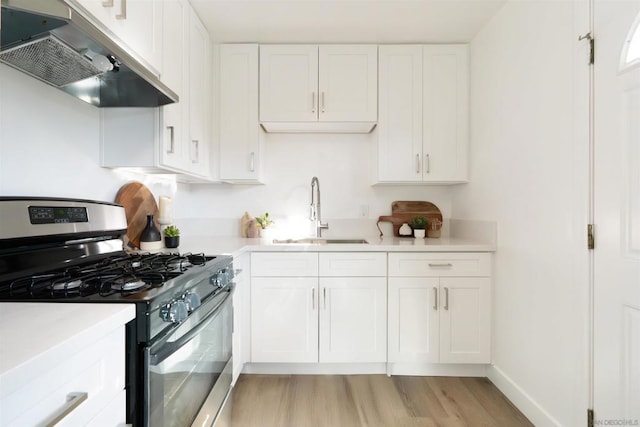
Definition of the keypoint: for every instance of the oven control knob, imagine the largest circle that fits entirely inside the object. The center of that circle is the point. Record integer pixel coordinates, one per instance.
(220, 279)
(215, 280)
(191, 300)
(174, 312)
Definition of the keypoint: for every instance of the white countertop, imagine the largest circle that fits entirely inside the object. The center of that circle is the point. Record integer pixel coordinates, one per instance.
(32, 333)
(238, 245)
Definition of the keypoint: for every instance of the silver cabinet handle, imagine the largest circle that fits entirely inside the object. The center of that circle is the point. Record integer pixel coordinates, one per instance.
(446, 298)
(418, 163)
(313, 298)
(322, 101)
(428, 164)
(107, 3)
(313, 102)
(195, 157)
(73, 401)
(123, 10)
(252, 162)
(435, 298)
(440, 264)
(324, 296)
(171, 149)
(237, 271)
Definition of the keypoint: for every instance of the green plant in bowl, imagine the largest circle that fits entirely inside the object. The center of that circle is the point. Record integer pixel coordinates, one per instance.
(172, 231)
(418, 222)
(264, 220)
(171, 236)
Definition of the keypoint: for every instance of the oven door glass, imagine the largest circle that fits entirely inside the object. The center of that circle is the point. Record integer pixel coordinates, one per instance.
(183, 368)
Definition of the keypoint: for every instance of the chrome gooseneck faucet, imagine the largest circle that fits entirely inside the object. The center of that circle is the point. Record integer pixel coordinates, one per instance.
(314, 213)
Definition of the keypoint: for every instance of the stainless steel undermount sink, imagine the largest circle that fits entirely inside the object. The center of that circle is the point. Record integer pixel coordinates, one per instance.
(320, 241)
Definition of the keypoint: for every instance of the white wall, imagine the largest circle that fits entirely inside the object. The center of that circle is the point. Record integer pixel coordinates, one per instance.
(528, 172)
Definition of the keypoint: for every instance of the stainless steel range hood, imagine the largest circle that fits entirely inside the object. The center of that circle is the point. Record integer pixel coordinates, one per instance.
(71, 51)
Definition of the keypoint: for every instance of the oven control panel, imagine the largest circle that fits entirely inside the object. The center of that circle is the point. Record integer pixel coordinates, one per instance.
(57, 214)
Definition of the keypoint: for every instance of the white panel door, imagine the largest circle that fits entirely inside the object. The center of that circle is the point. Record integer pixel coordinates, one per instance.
(284, 319)
(400, 114)
(445, 113)
(175, 70)
(465, 320)
(199, 66)
(348, 83)
(239, 126)
(617, 213)
(288, 83)
(353, 319)
(413, 320)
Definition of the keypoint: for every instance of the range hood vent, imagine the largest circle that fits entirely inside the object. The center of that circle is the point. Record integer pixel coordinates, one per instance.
(49, 40)
(48, 59)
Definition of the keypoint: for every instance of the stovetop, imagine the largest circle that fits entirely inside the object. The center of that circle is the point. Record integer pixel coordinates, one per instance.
(118, 275)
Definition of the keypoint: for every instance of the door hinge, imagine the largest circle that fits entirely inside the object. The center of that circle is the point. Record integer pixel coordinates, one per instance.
(592, 47)
(591, 243)
(589, 417)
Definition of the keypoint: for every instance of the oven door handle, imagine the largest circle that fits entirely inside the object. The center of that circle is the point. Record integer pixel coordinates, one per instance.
(168, 348)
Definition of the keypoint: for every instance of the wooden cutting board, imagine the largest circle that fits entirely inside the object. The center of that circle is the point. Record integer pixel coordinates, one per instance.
(403, 211)
(138, 202)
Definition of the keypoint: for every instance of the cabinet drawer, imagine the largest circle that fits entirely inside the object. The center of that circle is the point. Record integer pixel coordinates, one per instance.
(284, 264)
(439, 264)
(345, 264)
(98, 370)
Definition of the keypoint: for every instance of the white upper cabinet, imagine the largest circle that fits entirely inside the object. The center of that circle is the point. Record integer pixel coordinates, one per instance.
(174, 138)
(423, 118)
(175, 71)
(348, 83)
(400, 118)
(288, 83)
(240, 147)
(445, 126)
(327, 83)
(138, 23)
(199, 100)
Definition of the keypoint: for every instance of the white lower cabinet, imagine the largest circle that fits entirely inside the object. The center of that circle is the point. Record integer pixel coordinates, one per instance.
(241, 315)
(353, 319)
(437, 318)
(89, 380)
(317, 318)
(284, 319)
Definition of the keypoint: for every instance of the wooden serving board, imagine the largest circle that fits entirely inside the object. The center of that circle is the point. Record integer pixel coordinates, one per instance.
(138, 202)
(403, 211)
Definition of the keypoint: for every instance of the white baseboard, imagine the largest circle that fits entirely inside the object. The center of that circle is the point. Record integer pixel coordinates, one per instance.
(525, 403)
(315, 368)
(438, 369)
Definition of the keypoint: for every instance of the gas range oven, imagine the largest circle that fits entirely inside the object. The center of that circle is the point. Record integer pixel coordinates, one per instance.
(179, 355)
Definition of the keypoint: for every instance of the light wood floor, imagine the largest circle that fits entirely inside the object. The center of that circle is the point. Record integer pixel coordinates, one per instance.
(371, 401)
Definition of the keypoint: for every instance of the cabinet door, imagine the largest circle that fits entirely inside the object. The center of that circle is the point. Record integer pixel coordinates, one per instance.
(446, 113)
(353, 319)
(348, 83)
(198, 97)
(284, 319)
(174, 134)
(240, 153)
(138, 23)
(400, 116)
(241, 314)
(289, 83)
(413, 320)
(465, 320)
